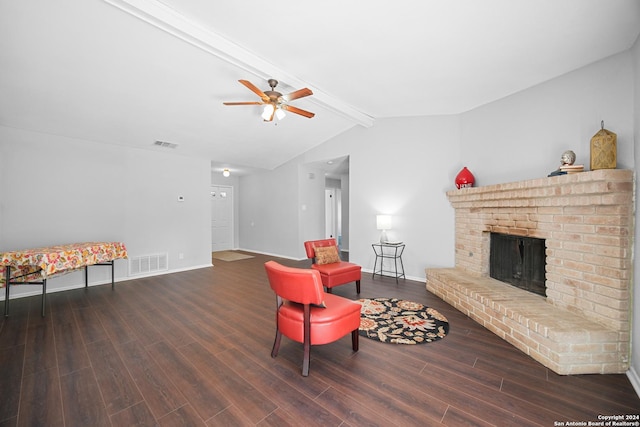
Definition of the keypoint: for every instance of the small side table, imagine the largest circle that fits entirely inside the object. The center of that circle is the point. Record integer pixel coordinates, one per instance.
(388, 251)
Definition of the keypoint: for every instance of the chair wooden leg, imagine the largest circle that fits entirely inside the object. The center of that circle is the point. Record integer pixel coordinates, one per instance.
(305, 359)
(276, 344)
(355, 336)
(358, 286)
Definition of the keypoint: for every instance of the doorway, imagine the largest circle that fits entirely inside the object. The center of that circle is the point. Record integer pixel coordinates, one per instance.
(221, 218)
(336, 184)
(329, 199)
(333, 213)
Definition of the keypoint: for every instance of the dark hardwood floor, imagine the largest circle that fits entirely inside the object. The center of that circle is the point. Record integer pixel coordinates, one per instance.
(193, 348)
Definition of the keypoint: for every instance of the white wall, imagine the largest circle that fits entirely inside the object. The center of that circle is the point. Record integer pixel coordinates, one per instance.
(57, 190)
(523, 136)
(396, 167)
(403, 167)
(635, 337)
(269, 215)
(311, 207)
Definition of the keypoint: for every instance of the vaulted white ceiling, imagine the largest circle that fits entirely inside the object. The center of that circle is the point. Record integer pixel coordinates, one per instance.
(133, 72)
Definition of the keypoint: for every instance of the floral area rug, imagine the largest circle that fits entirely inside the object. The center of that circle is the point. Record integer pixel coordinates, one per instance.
(397, 321)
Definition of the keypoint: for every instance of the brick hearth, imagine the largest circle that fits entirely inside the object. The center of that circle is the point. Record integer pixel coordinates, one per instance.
(583, 325)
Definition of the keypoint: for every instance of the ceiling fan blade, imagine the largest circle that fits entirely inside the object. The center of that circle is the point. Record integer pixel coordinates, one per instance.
(255, 90)
(300, 93)
(297, 110)
(244, 103)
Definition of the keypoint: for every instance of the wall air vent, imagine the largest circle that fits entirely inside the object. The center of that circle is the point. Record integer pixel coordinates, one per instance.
(165, 144)
(146, 264)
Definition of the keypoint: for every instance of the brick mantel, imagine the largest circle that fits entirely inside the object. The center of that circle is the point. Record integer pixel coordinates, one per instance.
(587, 221)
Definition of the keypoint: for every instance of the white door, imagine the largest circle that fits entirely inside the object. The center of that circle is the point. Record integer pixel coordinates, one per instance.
(221, 218)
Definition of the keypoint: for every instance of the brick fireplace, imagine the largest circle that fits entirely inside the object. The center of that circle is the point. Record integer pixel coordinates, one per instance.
(586, 219)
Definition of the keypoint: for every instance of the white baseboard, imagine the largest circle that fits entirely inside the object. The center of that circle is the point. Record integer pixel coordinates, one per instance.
(414, 278)
(634, 380)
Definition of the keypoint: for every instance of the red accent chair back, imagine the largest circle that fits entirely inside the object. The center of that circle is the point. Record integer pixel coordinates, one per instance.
(334, 274)
(306, 314)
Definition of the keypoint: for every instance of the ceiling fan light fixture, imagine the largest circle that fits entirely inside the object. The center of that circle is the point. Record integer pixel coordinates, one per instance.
(274, 102)
(268, 112)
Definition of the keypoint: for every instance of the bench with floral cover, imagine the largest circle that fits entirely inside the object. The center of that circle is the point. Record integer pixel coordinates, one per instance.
(35, 266)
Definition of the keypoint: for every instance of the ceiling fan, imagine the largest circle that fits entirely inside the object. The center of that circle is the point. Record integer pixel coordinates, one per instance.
(275, 103)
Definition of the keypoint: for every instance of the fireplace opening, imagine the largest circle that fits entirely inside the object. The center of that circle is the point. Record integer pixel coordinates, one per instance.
(519, 261)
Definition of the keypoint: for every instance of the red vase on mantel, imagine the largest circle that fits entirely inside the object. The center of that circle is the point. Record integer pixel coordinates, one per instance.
(465, 178)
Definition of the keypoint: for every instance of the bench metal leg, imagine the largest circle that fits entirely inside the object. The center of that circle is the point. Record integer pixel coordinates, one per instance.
(7, 276)
(113, 274)
(44, 294)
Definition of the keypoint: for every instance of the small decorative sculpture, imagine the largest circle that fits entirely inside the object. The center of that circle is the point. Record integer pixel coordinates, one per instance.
(568, 158)
(603, 149)
(567, 161)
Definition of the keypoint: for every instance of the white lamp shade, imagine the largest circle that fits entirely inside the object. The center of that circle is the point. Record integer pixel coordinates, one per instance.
(268, 111)
(383, 222)
(226, 173)
(280, 114)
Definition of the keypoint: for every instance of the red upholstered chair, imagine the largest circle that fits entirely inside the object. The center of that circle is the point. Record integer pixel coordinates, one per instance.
(306, 314)
(333, 270)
